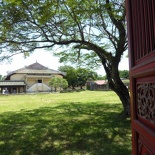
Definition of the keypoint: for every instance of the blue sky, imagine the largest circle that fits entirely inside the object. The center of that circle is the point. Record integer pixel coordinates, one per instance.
(47, 59)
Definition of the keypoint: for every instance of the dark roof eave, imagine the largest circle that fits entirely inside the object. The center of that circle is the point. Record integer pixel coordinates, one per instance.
(11, 83)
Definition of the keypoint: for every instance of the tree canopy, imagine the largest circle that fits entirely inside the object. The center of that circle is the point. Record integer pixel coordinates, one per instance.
(97, 27)
(77, 77)
(57, 82)
(71, 75)
(1, 77)
(83, 75)
(29, 25)
(124, 74)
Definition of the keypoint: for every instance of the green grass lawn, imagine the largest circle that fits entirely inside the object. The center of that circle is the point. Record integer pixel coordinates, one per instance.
(81, 123)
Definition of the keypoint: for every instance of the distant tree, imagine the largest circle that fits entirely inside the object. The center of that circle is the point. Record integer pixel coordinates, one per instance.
(77, 77)
(54, 82)
(71, 75)
(100, 77)
(124, 74)
(58, 82)
(65, 68)
(1, 77)
(63, 83)
(83, 75)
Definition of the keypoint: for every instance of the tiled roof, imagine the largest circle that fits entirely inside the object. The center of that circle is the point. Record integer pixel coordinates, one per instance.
(30, 71)
(39, 76)
(12, 83)
(100, 82)
(35, 68)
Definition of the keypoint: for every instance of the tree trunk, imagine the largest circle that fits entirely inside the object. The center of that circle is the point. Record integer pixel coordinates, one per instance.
(122, 91)
(116, 84)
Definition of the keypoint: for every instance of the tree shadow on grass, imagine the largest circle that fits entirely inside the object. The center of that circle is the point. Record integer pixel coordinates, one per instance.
(69, 129)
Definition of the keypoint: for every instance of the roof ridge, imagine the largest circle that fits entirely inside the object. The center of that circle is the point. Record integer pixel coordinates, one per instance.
(36, 66)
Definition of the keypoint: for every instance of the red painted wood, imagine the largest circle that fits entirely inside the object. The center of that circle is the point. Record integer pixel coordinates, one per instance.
(141, 43)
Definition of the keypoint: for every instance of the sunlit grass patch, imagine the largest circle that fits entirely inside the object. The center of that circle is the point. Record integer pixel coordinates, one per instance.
(84, 123)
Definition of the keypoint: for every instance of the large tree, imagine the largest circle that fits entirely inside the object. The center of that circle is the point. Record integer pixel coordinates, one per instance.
(83, 75)
(1, 77)
(124, 74)
(77, 77)
(94, 25)
(57, 82)
(71, 75)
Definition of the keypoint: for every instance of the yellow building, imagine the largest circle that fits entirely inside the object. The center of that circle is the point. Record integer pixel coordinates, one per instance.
(32, 78)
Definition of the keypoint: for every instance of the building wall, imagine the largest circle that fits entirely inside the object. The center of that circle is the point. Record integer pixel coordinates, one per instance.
(31, 80)
(60, 76)
(16, 89)
(13, 89)
(17, 77)
(46, 81)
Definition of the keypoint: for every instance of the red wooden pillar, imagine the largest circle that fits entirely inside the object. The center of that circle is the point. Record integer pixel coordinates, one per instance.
(141, 43)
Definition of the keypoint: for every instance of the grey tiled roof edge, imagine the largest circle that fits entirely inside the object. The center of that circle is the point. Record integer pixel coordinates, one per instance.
(12, 83)
(36, 68)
